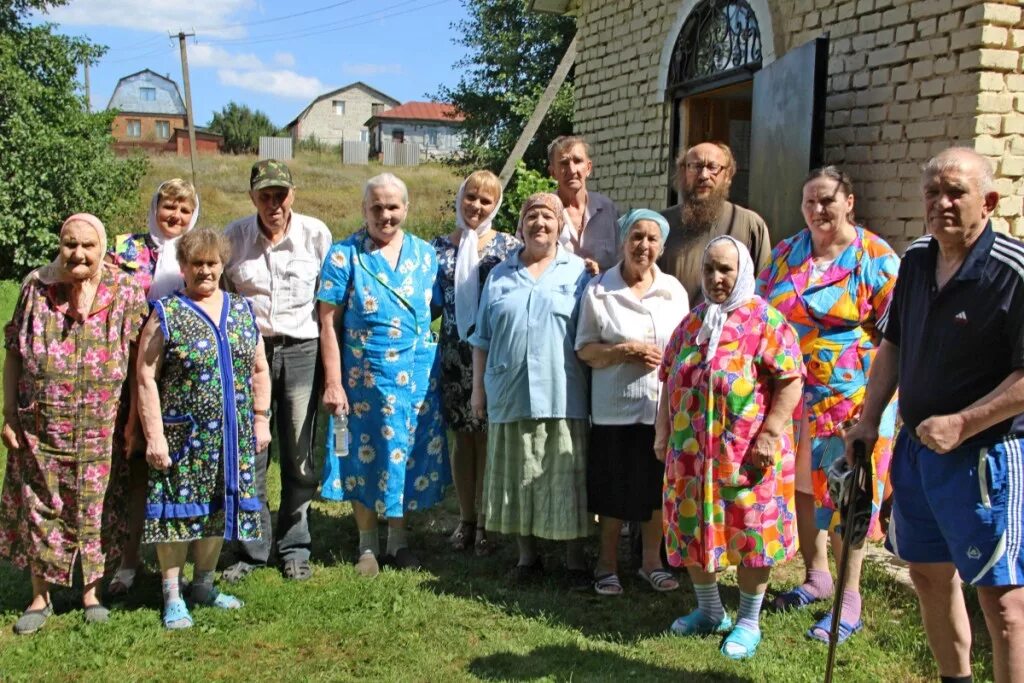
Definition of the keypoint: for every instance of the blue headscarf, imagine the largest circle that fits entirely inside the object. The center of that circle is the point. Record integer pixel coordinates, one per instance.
(634, 215)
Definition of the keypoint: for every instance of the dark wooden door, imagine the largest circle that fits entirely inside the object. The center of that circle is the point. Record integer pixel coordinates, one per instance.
(787, 134)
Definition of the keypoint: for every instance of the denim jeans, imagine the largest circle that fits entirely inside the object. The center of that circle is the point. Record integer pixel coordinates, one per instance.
(295, 389)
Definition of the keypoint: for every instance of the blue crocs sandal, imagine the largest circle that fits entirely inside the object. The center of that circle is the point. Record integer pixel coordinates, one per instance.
(217, 599)
(696, 623)
(741, 643)
(795, 598)
(825, 626)
(176, 615)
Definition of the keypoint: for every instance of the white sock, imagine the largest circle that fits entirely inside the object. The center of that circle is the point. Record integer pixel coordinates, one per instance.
(171, 589)
(709, 600)
(396, 539)
(369, 541)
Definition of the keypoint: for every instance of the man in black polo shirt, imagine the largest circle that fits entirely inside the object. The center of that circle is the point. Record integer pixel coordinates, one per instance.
(953, 342)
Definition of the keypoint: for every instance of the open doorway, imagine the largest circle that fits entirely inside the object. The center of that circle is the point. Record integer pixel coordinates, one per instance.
(722, 114)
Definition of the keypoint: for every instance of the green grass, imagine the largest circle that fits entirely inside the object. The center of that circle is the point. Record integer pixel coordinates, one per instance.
(459, 619)
(325, 189)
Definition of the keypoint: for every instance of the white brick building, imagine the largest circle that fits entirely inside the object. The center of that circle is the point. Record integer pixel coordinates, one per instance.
(897, 81)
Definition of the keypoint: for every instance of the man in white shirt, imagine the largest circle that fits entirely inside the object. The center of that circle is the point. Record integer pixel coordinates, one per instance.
(275, 262)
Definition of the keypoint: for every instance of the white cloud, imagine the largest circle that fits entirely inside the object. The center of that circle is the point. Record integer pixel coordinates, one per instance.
(281, 83)
(284, 59)
(210, 55)
(372, 69)
(159, 16)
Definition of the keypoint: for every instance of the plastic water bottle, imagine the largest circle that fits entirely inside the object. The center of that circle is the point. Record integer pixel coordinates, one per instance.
(340, 435)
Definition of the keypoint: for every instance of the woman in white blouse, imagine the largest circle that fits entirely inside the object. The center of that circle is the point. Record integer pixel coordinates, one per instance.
(627, 316)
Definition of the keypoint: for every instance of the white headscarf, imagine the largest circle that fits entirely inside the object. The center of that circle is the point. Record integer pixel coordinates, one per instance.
(742, 292)
(467, 264)
(167, 272)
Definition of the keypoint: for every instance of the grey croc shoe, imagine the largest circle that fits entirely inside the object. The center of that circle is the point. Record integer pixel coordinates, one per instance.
(97, 614)
(31, 620)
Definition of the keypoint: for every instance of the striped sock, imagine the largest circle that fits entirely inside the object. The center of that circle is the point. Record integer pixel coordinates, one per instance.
(749, 614)
(819, 584)
(709, 600)
(851, 607)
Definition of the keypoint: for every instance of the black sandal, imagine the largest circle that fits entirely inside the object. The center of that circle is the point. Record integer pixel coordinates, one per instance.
(463, 537)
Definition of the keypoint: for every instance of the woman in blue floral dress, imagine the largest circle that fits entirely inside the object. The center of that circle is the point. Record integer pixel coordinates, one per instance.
(465, 257)
(204, 398)
(381, 368)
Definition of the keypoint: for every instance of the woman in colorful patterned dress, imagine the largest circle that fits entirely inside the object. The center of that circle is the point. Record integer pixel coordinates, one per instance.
(532, 389)
(465, 257)
(204, 402)
(833, 281)
(68, 347)
(381, 369)
(733, 372)
(151, 258)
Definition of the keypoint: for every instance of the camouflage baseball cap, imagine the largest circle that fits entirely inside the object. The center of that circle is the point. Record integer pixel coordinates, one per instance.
(270, 173)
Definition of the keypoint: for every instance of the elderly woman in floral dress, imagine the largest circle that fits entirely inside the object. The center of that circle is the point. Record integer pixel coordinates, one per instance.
(151, 258)
(381, 369)
(68, 348)
(204, 400)
(733, 379)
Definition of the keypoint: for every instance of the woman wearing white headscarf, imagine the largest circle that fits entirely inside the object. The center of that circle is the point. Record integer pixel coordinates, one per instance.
(68, 347)
(151, 259)
(733, 372)
(465, 257)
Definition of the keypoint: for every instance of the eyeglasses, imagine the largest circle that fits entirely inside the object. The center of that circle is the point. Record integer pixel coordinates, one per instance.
(695, 167)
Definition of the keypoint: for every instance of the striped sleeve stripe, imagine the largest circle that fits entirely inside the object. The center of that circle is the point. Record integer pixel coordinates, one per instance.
(883, 320)
(1011, 255)
(919, 243)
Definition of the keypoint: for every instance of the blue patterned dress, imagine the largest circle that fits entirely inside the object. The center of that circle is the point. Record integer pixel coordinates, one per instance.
(398, 458)
(205, 387)
(457, 355)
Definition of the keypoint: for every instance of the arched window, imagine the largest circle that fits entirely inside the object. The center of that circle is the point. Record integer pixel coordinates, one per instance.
(720, 38)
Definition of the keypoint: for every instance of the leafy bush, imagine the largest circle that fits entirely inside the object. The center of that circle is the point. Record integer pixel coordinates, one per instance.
(56, 157)
(241, 127)
(524, 183)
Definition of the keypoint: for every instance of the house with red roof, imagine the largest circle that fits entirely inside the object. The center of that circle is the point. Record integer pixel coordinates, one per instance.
(435, 126)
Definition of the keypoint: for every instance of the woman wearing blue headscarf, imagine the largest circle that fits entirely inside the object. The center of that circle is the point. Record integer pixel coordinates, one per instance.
(627, 316)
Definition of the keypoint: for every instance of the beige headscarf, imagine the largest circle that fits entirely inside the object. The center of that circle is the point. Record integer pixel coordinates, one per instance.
(56, 272)
(551, 201)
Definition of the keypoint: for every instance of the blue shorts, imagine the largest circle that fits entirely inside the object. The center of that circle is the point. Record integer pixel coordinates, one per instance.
(964, 507)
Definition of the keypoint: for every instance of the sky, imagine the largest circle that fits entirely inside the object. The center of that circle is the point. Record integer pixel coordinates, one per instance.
(272, 56)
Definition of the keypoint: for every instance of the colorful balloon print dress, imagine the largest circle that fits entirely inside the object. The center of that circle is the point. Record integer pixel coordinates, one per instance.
(398, 456)
(56, 506)
(206, 397)
(839, 315)
(719, 510)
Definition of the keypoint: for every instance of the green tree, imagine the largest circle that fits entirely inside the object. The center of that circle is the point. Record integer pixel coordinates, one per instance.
(512, 54)
(56, 157)
(241, 128)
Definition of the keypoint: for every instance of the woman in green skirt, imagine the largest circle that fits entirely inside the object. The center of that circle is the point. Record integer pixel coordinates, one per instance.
(529, 385)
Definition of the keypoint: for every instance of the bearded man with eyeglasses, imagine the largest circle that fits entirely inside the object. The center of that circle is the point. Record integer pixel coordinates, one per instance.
(704, 175)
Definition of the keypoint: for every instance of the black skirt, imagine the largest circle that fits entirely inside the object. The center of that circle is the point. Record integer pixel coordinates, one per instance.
(624, 478)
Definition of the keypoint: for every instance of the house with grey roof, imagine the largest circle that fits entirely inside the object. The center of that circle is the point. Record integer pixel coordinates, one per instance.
(149, 108)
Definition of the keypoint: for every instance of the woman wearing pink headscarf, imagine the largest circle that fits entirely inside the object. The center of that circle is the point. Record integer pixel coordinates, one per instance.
(68, 347)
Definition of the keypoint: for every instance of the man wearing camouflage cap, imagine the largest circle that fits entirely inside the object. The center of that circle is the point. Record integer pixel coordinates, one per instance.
(275, 262)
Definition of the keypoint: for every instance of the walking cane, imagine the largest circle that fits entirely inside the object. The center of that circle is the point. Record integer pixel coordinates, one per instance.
(860, 484)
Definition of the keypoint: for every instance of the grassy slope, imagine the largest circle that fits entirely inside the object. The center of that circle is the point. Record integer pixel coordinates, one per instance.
(457, 620)
(325, 189)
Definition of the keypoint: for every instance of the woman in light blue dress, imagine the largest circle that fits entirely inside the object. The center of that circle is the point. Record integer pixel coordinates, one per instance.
(381, 369)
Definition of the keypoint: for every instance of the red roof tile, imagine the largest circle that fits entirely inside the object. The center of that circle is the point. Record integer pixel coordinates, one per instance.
(422, 111)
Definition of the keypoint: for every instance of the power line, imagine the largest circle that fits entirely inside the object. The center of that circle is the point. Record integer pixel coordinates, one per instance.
(165, 48)
(283, 17)
(331, 27)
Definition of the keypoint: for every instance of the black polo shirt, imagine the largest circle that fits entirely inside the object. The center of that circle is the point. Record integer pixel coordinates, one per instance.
(960, 342)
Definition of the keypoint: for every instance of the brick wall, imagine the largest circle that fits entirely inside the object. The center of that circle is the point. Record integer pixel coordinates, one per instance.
(147, 125)
(906, 79)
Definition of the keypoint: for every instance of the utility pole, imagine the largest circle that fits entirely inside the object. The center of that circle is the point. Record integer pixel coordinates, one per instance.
(88, 96)
(188, 105)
